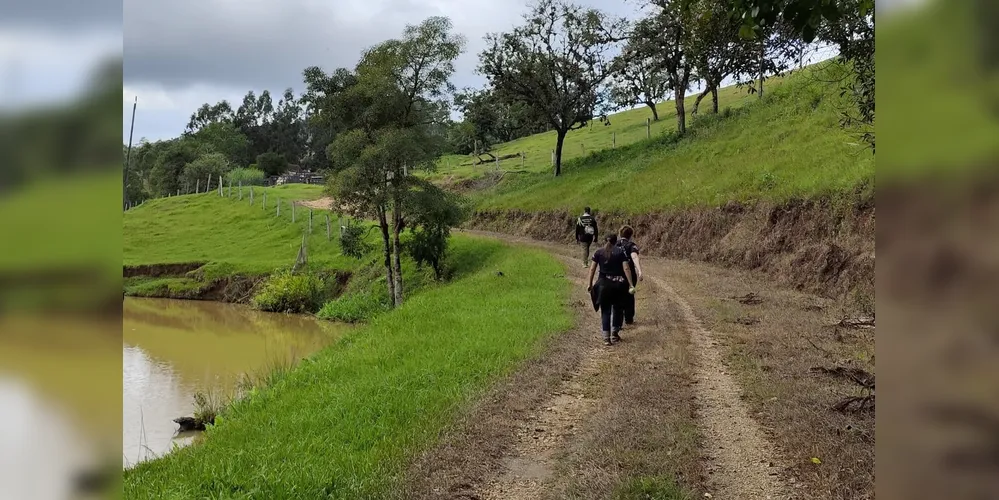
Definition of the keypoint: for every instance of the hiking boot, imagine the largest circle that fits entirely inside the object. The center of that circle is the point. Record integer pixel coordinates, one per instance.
(615, 337)
(607, 342)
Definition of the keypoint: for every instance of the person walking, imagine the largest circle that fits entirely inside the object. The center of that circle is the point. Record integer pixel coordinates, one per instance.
(613, 286)
(631, 250)
(586, 233)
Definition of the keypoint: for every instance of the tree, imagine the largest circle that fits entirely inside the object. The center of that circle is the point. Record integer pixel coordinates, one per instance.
(223, 137)
(272, 163)
(717, 50)
(207, 166)
(209, 114)
(435, 211)
(638, 78)
(166, 174)
(556, 63)
(386, 124)
(666, 34)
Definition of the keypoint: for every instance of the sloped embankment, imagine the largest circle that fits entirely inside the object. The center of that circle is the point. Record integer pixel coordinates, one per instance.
(822, 245)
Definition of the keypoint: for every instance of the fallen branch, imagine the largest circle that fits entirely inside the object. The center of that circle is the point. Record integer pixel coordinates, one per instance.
(862, 377)
(861, 322)
(749, 299)
(860, 403)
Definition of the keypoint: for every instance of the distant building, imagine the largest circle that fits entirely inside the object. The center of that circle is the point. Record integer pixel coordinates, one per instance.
(297, 177)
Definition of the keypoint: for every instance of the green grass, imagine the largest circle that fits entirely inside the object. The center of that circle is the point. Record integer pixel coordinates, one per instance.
(230, 234)
(59, 222)
(651, 488)
(345, 422)
(789, 144)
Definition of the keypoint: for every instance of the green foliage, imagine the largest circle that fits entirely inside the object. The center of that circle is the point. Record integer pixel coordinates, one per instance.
(223, 137)
(212, 164)
(167, 172)
(651, 488)
(292, 293)
(352, 239)
(246, 176)
(434, 212)
(272, 163)
(355, 307)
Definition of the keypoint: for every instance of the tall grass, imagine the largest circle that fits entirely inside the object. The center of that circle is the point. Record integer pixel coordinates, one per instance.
(345, 422)
(246, 177)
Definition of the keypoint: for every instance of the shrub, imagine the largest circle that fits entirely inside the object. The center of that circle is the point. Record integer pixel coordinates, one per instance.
(294, 293)
(246, 177)
(354, 307)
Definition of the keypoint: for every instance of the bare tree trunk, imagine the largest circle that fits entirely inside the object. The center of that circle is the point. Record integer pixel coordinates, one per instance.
(397, 252)
(714, 99)
(386, 244)
(558, 151)
(681, 114)
(697, 102)
(655, 112)
(763, 49)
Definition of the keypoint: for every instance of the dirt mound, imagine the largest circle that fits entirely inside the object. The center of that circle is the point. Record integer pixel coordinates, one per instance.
(822, 246)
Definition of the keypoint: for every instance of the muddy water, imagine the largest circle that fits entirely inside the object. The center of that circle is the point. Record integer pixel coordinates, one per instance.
(173, 349)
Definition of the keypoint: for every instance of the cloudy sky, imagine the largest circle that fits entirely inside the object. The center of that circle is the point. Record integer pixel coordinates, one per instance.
(183, 53)
(48, 48)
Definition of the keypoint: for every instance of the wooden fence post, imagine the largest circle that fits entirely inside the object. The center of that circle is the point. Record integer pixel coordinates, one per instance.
(220, 186)
(553, 157)
(263, 204)
(240, 190)
(327, 227)
(614, 143)
(521, 159)
(293, 211)
(251, 196)
(208, 186)
(197, 187)
(648, 128)
(279, 207)
(310, 221)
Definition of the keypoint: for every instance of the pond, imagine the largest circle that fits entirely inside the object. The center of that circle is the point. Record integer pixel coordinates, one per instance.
(174, 349)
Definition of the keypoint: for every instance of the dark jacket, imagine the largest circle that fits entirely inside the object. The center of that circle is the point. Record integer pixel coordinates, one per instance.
(629, 247)
(582, 223)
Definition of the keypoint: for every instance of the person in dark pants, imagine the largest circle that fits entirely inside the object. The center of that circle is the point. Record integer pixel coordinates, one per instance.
(631, 250)
(586, 233)
(614, 286)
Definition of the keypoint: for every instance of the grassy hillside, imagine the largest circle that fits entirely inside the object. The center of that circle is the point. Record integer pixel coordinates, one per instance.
(789, 144)
(626, 127)
(209, 228)
(343, 424)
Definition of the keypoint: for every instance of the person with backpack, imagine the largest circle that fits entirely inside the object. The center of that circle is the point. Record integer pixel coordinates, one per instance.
(630, 250)
(614, 285)
(586, 233)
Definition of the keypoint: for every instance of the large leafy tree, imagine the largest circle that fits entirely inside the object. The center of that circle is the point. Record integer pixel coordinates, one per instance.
(556, 62)
(717, 49)
(209, 114)
(639, 78)
(667, 35)
(487, 119)
(386, 124)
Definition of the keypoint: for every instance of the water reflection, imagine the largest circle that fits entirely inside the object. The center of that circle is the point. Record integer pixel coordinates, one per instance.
(172, 349)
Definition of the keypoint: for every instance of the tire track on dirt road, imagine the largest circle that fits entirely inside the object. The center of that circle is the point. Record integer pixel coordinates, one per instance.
(740, 461)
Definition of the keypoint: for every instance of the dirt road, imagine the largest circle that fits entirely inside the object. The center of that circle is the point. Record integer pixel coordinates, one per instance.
(661, 412)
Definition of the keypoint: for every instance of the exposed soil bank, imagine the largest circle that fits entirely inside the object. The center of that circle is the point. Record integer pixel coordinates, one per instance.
(184, 281)
(160, 270)
(823, 246)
